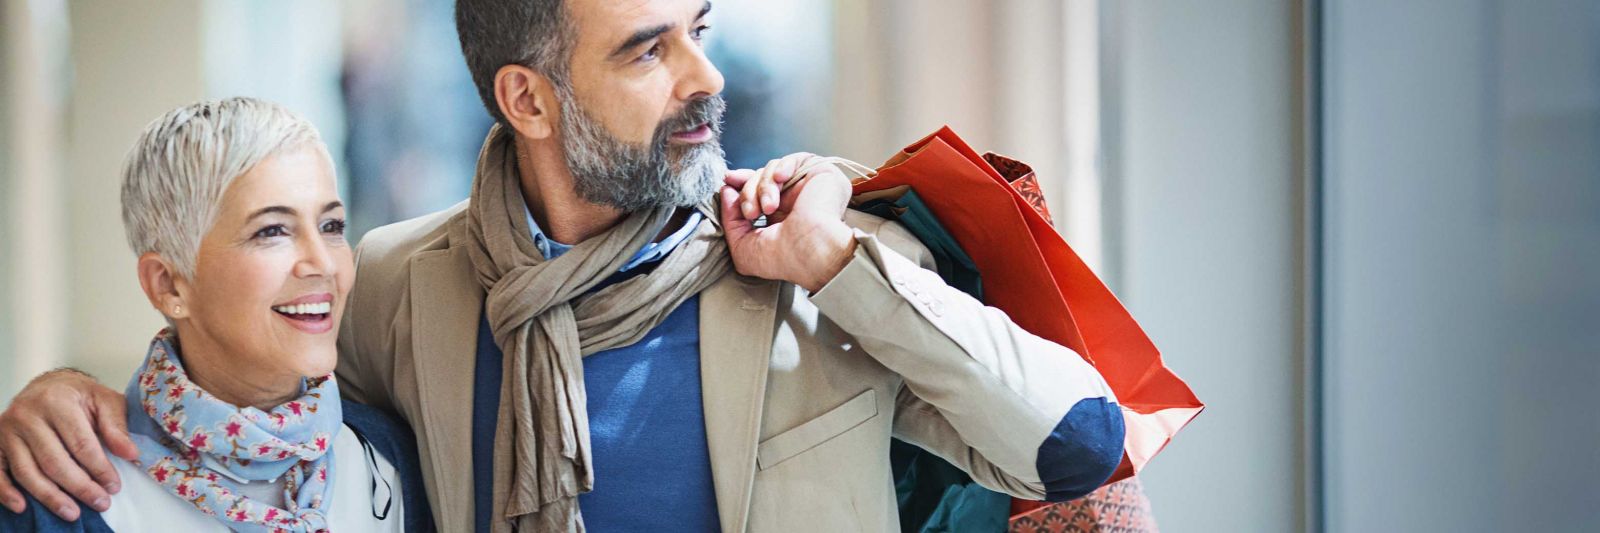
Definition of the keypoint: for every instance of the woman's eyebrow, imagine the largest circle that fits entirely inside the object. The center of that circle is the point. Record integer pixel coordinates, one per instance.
(286, 210)
(275, 209)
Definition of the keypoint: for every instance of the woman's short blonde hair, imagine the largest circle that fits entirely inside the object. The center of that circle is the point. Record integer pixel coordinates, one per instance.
(175, 174)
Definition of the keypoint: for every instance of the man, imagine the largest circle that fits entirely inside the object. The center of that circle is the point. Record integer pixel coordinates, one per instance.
(681, 364)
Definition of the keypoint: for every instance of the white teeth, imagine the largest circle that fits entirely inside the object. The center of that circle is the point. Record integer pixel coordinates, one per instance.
(305, 309)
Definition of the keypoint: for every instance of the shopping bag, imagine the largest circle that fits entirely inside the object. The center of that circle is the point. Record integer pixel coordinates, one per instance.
(1028, 271)
(1120, 507)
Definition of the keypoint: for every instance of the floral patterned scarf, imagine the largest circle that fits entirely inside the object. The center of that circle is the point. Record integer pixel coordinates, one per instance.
(196, 445)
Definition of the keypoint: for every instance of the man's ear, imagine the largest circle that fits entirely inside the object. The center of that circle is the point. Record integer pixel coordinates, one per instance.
(160, 283)
(527, 101)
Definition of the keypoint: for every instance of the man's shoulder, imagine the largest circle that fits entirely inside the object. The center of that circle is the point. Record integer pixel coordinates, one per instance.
(404, 239)
(384, 256)
(891, 233)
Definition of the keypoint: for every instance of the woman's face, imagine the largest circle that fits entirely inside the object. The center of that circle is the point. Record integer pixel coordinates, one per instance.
(272, 274)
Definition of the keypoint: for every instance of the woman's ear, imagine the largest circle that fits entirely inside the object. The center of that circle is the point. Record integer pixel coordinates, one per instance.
(527, 101)
(160, 283)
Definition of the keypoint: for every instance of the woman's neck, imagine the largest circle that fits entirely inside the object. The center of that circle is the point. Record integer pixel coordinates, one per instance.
(202, 362)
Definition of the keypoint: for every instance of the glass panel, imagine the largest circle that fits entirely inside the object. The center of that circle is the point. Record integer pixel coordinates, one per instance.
(1462, 222)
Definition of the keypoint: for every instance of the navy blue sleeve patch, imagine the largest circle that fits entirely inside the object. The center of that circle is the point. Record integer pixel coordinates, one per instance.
(1083, 450)
(35, 519)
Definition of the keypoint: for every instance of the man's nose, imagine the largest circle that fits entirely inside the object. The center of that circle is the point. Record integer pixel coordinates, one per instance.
(702, 78)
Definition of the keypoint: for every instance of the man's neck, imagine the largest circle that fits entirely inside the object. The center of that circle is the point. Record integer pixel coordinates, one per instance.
(552, 198)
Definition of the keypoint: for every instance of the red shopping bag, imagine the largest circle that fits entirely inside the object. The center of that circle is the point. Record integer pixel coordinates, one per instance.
(1029, 272)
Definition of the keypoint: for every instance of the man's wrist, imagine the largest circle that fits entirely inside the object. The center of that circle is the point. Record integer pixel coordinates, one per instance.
(836, 245)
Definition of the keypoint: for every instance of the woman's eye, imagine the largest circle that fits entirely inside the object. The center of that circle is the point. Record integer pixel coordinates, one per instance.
(275, 230)
(700, 32)
(333, 227)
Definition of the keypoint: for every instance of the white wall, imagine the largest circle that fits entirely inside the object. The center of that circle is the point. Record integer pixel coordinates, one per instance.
(132, 61)
(34, 252)
(7, 346)
(1002, 74)
(81, 80)
(1204, 141)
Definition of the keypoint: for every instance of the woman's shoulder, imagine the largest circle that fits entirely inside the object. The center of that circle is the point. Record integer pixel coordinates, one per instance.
(36, 519)
(391, 438)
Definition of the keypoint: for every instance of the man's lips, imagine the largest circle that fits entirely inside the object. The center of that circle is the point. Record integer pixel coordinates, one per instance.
(697, 134)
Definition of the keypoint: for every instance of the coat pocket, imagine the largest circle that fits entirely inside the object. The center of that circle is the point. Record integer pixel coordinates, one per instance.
(818, 430)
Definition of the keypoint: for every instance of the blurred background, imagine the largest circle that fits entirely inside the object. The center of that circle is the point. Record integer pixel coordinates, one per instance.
(1366, 232)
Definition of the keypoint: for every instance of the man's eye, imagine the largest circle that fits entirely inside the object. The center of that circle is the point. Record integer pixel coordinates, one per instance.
(333, 227)
(275, 230)
(652, 53)
(700, 32)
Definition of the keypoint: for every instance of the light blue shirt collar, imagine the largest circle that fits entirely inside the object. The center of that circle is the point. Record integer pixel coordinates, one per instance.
(651, 252)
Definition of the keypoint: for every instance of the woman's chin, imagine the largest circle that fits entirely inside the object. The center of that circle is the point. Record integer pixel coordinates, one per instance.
(319, 364)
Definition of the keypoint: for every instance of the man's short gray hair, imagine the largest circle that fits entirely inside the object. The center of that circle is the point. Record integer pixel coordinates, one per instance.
(496, 33)
(175, 174)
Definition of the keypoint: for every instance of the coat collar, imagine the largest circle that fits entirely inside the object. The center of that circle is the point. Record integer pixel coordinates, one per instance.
(738, 316)
(445, 305)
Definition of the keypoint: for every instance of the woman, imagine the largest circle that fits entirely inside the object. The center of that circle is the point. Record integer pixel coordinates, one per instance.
(234, 213)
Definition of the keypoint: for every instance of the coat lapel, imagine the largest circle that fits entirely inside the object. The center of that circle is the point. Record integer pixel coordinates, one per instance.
(737, 319)
(445, 307)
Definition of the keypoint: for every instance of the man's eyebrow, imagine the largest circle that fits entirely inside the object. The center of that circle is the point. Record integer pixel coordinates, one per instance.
(640, 37)
(644, 35)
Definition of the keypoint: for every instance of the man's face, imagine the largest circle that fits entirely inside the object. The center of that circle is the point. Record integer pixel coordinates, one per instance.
(641, 116)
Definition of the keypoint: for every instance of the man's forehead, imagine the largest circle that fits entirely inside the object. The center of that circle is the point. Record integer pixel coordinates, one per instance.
(613, 19)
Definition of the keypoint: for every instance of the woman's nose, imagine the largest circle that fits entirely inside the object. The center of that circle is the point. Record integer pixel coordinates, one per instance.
(316, 259)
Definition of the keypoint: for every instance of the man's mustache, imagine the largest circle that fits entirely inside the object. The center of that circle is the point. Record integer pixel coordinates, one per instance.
(706, 110)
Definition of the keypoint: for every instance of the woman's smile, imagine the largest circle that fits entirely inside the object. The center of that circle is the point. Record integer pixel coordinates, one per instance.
(312, 313)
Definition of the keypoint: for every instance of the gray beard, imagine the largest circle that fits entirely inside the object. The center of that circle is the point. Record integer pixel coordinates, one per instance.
(609, 171)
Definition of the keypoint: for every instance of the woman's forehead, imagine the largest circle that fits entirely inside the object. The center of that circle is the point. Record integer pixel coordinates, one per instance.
(300, 179)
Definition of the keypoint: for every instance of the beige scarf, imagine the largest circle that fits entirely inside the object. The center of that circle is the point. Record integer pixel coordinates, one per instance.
(545, 323)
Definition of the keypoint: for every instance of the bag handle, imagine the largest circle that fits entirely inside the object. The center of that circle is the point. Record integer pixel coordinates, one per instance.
(855, 171)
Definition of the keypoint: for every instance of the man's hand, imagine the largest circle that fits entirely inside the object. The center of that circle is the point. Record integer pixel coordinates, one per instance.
(805, 240)
(48, 443)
